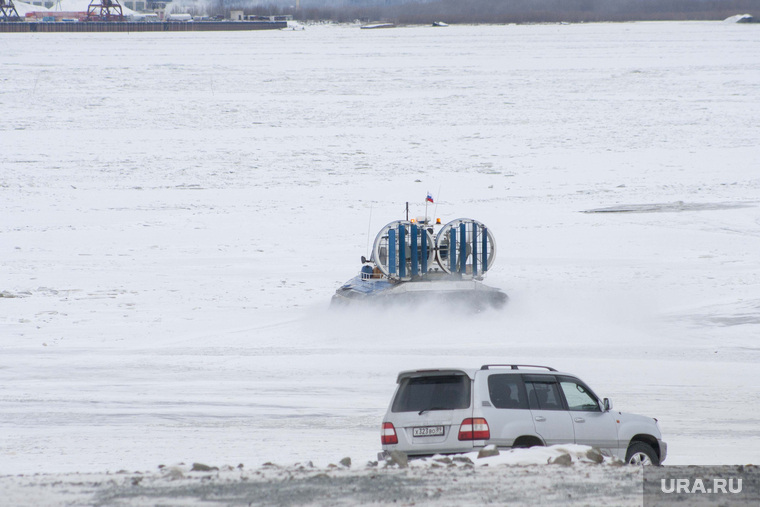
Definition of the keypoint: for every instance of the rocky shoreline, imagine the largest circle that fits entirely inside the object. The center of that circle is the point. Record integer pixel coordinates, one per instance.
(567, 478)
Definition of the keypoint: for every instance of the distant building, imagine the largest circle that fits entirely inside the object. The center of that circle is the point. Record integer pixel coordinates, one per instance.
(157, 7)
(257, 17)
(136, 5)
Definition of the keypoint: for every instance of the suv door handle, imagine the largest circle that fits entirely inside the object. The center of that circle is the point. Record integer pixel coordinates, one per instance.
(540, 418)
(579, 419)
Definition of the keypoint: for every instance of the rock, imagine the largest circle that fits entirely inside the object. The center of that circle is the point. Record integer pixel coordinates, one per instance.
(594, 455)
(174, 473)
(399, 458)
(346, 462)
(562, 459)
(488, 451)
(240, 466)
(200, 467)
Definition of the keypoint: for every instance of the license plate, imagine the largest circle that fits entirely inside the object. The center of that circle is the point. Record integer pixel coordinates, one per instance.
(427, 431)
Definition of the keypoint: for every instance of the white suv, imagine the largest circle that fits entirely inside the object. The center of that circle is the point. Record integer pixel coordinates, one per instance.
(461, 410)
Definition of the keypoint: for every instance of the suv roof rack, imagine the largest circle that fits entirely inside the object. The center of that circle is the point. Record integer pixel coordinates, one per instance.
(515, 366)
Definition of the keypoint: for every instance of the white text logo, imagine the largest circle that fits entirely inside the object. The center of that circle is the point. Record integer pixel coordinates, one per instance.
(677, 486)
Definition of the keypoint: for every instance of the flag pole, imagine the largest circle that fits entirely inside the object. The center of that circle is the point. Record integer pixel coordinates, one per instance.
(369, 227)
(435, 210)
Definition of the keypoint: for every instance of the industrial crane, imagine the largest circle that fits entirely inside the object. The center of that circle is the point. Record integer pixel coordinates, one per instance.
(104, 10)
(8, 11)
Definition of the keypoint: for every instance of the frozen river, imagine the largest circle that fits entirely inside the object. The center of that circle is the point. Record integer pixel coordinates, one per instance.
(179, 208)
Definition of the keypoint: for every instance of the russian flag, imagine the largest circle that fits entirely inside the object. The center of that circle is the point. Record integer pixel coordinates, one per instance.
(429, 198)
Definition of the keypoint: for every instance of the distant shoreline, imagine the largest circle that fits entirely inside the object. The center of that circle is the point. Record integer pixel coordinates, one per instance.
(497, 12)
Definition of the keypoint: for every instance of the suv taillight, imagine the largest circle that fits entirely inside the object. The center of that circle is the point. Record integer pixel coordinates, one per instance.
(388, 435)
(474, 429)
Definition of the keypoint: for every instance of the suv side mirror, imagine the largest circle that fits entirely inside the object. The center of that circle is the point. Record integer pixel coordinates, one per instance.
(607, 404)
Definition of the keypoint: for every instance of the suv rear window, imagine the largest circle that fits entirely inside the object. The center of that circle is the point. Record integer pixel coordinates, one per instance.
(433, 392)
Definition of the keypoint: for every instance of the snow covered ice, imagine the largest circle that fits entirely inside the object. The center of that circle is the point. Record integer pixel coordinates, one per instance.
(179, 208)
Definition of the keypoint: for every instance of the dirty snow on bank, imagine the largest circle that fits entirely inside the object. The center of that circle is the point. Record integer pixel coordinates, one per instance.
(560, 474)
(179, 208)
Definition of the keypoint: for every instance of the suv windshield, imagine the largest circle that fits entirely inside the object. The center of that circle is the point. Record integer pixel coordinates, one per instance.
(433, 392)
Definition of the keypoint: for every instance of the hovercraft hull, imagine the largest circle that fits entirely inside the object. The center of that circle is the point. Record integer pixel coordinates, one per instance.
(469, 293)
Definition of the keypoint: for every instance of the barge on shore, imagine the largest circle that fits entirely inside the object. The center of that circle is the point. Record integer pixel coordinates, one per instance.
(139, 26)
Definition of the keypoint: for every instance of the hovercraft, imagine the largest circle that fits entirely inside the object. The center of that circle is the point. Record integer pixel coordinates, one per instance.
(416, 261)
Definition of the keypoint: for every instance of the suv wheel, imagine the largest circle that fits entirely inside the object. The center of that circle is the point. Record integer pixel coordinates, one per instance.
(640, 453)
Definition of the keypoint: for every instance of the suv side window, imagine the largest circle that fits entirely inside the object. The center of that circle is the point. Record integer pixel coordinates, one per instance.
(578, 396)
(507, 391)
(543, 392)
(433, 392)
